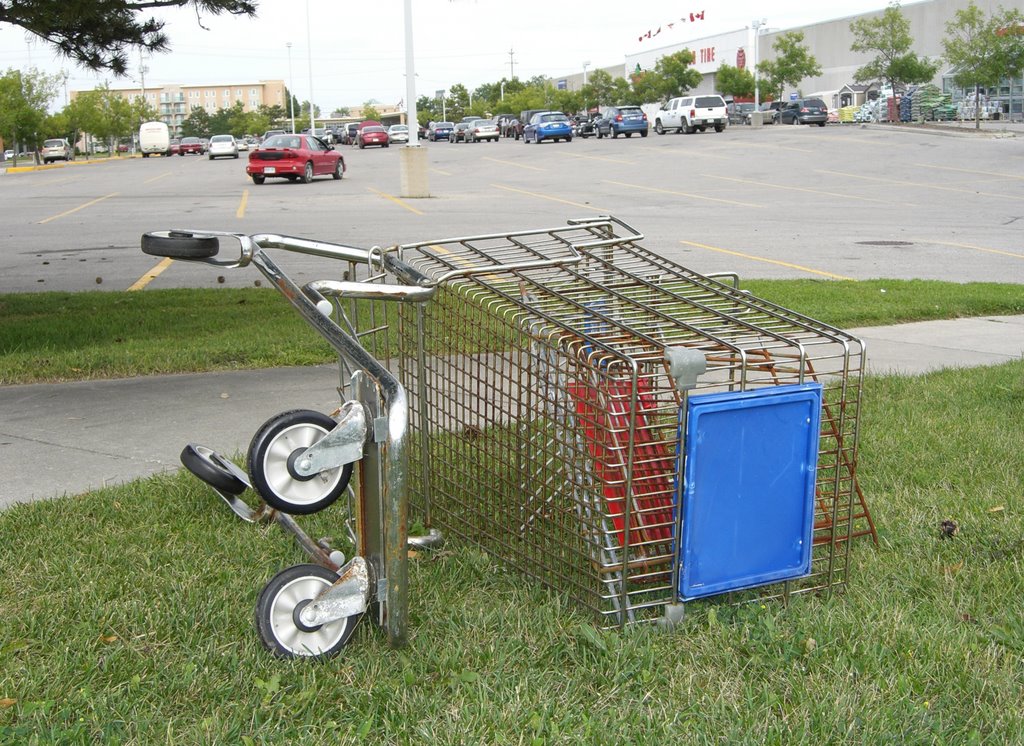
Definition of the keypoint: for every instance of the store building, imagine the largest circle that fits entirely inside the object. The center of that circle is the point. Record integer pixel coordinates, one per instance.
(829, 42)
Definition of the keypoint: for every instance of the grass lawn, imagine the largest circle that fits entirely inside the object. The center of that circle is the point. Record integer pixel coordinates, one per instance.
(128, 612)
(76, 336)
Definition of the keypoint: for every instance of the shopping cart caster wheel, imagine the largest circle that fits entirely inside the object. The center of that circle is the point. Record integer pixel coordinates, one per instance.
(179, 245)
(272, 455)
(214, 469)
(277, 615)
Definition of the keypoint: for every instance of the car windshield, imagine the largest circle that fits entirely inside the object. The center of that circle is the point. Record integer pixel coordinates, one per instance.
(636, 110)
(814, 103)
(398, 128)
(372, 129)
(444, 125)
(53, 144)
(283, 141)
(221, 138)
(191, 140)
(554, 118)
(708, 101)
(482, 123)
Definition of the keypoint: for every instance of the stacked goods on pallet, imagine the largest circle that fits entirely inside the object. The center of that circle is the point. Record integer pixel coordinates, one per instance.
(846, 113)
(927, 99)
(906, 103)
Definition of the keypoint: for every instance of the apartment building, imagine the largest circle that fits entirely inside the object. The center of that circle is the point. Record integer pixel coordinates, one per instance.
(175, 103)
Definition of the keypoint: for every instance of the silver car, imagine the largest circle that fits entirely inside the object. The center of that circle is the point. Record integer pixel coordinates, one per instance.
(482, 129)
(56, 150)
(222, 146)
(398, 133)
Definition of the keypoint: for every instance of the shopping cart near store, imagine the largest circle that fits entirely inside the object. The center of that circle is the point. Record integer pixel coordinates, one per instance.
(629, 433)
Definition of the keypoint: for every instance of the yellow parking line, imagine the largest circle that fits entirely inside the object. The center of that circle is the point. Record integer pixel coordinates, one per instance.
(682, 194)
(970, 246)
(552, 199)
(795, 189)
(396, 200)
(897, 182)
(970, 171)
(439, 171)
(512, 163)
(80, 207)
(240, 213)
(147, 278)
(767, 261)
(157, 178)
(597, 158)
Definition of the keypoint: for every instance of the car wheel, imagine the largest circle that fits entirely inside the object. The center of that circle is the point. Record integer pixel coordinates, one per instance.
(614, 133)
(307, 173)
(719, 128)
(568, 139)
(821, 124)
(211, 157)
(258, 178)
(339, 170)
(658, 128)
(689, 130)
(643, 134)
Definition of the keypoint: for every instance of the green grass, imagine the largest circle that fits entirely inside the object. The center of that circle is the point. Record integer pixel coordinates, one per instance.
(127, 619)
(76, 336)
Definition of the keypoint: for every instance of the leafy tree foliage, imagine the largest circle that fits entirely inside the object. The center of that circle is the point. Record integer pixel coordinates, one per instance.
(793, 62)
(370, 112)
(732, 81)
(98, 34)
(197, 123)
(888, 37)
(676, 74)
(983, 50)
(24, 98)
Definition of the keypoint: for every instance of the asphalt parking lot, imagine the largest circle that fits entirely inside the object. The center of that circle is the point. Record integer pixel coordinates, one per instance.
(833, 203)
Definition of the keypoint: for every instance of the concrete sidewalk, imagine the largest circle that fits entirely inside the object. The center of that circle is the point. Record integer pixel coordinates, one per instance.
(65, 439)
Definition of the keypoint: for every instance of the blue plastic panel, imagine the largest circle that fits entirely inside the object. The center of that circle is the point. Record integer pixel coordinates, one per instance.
(748, 494)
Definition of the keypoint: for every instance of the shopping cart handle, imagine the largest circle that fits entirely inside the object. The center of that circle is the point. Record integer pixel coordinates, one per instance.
(319, 289)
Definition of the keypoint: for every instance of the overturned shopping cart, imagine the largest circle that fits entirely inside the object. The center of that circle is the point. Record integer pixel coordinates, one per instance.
(630, 433)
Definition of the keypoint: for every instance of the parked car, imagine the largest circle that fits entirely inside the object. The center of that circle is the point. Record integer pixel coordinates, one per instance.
(8, 155)
(439, 131)
(222, 146)
(242, 143)
(548, 125)
(482, 129)
(692, 113)
(191, 145)
(398, 133)
(625, 120)
(348, 136)
(739, 113)
(175, 148)
(458, 133)
(770, 111)
(370, 135)
(294, 157)
(57, 149)
(524, 119)
(270, 133)
(501, 122)
(804, 111)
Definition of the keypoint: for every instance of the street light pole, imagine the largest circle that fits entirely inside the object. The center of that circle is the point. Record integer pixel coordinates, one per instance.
(309, 53)
(585, 66)
(756, 26)
(291, 91)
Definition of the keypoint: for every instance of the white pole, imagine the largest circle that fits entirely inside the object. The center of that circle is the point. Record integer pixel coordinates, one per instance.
(410, 81)
(291, 89)
(756, 25)
(309, 53)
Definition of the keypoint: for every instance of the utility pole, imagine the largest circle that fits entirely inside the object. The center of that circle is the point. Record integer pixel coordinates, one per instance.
(511, 64)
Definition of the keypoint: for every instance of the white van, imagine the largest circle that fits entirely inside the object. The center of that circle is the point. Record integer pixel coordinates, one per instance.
(154, 139)
(691, 113)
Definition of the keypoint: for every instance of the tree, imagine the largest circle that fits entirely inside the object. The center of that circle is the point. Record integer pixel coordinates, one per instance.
(370, 112)
(599, 88)
(732, 81)
(677, 74)
(24, 98)
(99, 34)
(793, 62)
(197, 123)
(888, 37)
(984, 51)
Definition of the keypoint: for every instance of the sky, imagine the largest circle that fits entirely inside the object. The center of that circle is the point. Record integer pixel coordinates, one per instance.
(349, 53)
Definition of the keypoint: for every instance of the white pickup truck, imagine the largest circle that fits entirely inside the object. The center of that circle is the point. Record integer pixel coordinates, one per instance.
(691, 113)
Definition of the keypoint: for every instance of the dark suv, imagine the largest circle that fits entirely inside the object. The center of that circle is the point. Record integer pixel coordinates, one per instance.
(804, 111)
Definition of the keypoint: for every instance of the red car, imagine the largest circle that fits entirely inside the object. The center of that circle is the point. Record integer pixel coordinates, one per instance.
(372, 135)
(294, 157)
(191, 145)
